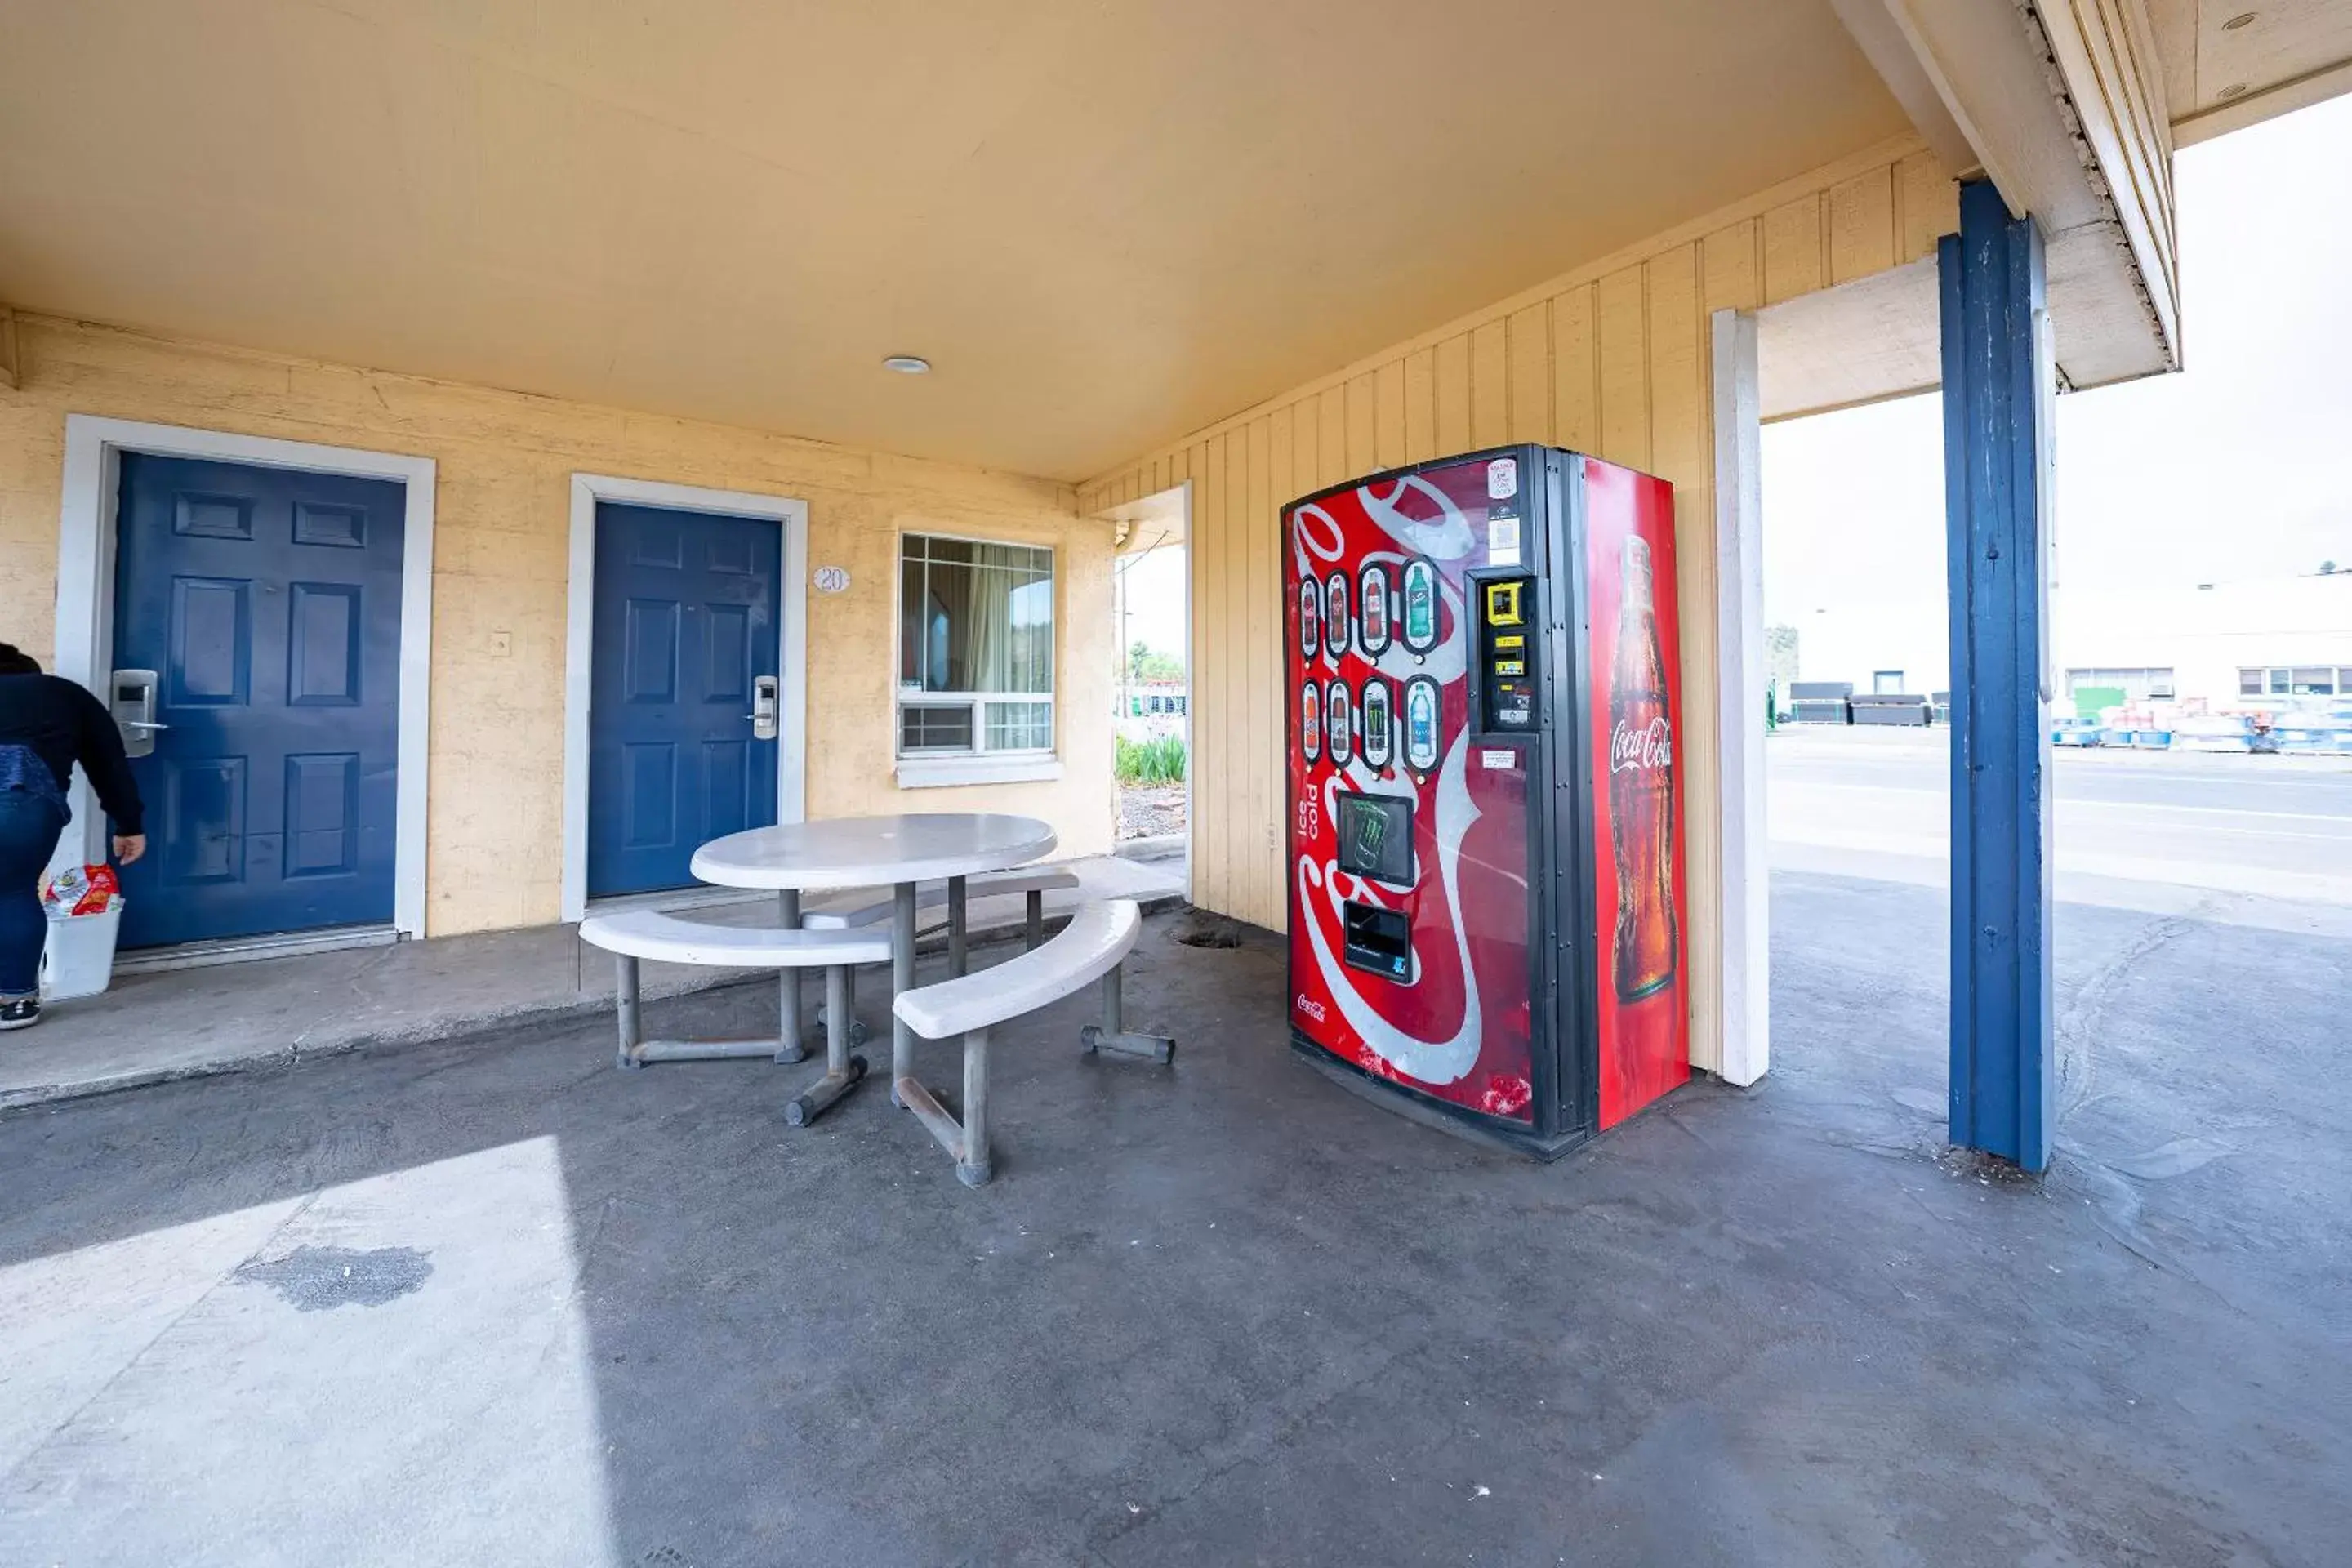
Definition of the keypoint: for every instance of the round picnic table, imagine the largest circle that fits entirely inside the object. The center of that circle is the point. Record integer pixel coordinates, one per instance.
(896, 852)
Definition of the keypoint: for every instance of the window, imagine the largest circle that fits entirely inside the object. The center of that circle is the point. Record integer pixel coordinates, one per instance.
(975, 648)
(2298, 680)
(1886, 683)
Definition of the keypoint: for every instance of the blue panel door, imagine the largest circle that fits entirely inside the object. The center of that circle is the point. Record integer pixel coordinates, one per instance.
(268, 602)
(685, 625)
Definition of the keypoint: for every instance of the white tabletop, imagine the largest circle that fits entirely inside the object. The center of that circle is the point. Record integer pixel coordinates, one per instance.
(872, 851)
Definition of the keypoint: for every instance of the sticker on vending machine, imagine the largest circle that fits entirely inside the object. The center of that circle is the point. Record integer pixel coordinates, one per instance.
(1503, 540)
(1502, 478)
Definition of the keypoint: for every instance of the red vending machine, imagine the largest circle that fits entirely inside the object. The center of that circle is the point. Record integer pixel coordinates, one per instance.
(1486, 922)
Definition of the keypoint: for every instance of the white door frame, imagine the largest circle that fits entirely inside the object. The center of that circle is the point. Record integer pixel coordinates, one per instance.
(85, 635)
(580, 639)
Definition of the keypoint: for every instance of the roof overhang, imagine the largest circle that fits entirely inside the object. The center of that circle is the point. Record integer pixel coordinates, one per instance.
(2064, 110)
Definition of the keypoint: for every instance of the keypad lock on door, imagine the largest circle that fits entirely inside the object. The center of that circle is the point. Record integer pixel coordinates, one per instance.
(763, 707)
(134, 706)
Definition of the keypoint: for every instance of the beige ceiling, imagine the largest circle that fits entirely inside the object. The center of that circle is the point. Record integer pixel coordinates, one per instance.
(2280, 55)
(1104, 223)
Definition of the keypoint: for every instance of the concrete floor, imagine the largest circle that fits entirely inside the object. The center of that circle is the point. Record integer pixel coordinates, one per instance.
(500, 1303)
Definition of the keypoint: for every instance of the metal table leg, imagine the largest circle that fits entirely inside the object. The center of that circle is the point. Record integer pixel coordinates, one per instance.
(788, 986)
(902, 978)
(956, 926)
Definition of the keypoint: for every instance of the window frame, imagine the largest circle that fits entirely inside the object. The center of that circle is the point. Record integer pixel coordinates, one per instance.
(979, 762)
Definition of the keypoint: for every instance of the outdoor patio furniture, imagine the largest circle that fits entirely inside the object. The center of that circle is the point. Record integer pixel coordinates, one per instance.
(1034, 881)
(638, 934)
(1092, 946)
(898, 852)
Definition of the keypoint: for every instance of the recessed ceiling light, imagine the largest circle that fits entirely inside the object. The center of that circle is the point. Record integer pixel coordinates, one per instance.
(2238, 21)
(905, 365)
(2233, 90)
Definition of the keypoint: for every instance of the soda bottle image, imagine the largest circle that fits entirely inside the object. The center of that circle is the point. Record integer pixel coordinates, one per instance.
(1421, 723)
(1335, 614)
(1310, 720)
(1640, 787)
(1420, 608)
(1310, 603)
(1377, 742)
(1336, 713)
(1372, 610)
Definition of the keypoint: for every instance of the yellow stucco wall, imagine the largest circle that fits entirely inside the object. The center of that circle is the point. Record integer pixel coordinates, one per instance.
(501, 553)
(1612, 359)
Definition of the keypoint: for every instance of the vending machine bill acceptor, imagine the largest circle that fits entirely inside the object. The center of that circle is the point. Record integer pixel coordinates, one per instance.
(1485, 764)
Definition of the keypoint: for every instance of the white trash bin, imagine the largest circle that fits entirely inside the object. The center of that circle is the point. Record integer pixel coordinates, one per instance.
(78, 959)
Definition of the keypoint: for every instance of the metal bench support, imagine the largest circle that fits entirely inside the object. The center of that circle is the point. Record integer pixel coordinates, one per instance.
(1112, 1035)
(966, 1139)
(637, 1050)
(1036, 932)
(958, 953)
(843, 1071)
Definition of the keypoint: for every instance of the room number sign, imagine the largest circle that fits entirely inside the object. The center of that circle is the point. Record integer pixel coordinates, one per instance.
(833, 579)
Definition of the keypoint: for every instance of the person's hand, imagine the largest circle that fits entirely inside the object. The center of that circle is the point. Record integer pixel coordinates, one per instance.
(129, 846)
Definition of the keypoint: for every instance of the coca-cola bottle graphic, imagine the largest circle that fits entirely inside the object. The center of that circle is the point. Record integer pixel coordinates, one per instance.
(1642, 787)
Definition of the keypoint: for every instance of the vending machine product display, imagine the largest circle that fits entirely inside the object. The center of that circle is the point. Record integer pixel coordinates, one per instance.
(1484, 764)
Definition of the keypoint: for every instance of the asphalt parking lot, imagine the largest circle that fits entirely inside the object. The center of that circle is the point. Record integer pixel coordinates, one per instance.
(2164, 828)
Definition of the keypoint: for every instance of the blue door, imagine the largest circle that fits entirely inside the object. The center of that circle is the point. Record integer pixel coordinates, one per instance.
(685, 627)
(268, 601)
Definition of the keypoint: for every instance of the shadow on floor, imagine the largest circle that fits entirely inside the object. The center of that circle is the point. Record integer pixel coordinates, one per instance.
(1227, 1314)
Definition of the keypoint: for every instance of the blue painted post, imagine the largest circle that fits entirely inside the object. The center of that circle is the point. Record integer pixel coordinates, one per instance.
(1999, 383)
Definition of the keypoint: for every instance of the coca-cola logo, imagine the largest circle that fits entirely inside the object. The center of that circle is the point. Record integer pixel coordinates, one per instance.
(1632, 750)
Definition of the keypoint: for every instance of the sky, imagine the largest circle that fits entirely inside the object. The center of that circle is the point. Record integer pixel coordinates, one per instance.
(1155, 599)
(2238, 468)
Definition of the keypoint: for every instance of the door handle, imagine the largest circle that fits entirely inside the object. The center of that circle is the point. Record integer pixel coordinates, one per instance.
(765, 704)
(132, 704)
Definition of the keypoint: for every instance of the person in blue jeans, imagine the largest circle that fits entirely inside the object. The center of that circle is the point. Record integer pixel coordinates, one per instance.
(46, 725)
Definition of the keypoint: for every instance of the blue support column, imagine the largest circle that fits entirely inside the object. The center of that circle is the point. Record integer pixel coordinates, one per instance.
(1998, 382)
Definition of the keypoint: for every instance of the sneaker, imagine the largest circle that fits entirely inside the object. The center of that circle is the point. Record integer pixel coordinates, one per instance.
(22, 1013)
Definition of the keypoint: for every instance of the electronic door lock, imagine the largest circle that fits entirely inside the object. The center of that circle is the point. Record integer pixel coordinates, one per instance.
(134, 706)
(765, 704)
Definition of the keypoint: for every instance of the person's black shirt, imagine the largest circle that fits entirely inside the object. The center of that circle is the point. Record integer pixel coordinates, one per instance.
(63, 724)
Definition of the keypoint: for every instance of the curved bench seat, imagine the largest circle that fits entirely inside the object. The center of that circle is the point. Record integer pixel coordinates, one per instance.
(671, 939)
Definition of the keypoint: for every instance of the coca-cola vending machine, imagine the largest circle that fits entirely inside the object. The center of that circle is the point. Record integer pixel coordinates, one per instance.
(1485, 761)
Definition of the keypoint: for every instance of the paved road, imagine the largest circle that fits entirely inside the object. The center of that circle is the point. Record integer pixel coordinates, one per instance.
(1877, 801)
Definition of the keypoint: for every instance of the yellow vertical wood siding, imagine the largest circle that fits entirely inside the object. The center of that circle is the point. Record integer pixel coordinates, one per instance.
(1612, 359)
(501, 533)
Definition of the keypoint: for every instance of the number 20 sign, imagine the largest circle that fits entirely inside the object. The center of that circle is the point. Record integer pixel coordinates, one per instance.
(831, 579)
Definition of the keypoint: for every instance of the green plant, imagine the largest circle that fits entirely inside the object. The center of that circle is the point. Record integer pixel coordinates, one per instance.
(1157, 761)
